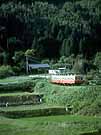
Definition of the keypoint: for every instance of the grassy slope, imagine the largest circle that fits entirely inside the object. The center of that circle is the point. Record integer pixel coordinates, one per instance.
(84, 99)
(53, 125)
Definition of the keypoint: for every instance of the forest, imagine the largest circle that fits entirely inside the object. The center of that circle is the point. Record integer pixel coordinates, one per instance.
(52, 31)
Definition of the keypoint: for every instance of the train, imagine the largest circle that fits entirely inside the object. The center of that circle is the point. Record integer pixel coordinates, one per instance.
(67, 78)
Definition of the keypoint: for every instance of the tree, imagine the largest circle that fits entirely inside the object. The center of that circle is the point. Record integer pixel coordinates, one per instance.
(78, 66)
(72, 27)
(30, 52)
(97, 60)
(66, 48)
(5, 58)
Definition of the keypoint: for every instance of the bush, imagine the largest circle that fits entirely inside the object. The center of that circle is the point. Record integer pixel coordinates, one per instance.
(6, 71)
(91, 75)
(16, 70)
(41, 86)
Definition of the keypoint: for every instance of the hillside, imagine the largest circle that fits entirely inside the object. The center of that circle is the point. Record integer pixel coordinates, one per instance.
(83, 99)
(68, 102)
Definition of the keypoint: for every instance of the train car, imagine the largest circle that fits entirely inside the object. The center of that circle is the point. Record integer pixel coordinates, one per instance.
(67, 79)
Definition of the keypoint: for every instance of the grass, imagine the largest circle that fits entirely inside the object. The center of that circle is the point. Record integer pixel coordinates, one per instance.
(28, 107)
(85, 100)
(51, 125)
(14, 94)
(15, 79)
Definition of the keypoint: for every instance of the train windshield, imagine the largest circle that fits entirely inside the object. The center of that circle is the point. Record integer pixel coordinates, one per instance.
(79, 78)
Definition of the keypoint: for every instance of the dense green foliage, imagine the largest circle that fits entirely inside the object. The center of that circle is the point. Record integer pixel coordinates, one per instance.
(50, 29)
(6, 71)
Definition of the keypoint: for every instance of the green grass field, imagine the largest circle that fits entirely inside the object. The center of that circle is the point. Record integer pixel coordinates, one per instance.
(51, 125)
(15, 79)
(86, 100)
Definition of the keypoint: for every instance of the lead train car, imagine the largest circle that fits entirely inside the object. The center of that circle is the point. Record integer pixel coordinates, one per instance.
(67, 79)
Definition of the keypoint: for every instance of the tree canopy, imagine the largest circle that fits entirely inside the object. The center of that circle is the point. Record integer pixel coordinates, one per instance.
(53, 29)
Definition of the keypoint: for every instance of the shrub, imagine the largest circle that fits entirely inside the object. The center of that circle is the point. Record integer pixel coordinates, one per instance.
(91, 74)
(16, 70)
(40, 86)
(6, 71)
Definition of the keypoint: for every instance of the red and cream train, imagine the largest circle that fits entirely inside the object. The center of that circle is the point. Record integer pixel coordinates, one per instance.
(66, 79)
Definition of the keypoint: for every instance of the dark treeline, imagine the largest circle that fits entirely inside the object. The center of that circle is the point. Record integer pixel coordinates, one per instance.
(50, 30)
(57, 2)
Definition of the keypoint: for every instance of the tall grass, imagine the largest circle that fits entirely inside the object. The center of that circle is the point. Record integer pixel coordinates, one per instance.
(83, 99)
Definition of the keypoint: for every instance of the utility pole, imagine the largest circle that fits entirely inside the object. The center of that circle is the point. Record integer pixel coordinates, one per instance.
(26, 64)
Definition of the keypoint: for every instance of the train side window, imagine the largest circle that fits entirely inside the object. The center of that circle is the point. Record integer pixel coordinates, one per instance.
(77, 78)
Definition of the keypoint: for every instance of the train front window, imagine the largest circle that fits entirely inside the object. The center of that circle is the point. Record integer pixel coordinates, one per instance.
(78, 78)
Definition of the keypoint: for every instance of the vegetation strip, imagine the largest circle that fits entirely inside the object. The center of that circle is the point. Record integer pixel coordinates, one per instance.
(20, 99)
(35, 112)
